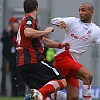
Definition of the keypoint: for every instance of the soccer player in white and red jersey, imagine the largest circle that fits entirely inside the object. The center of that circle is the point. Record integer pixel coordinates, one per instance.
(80, 33)
(31, 65)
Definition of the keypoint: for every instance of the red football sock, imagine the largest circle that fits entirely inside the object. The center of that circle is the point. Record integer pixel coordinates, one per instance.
(51, 87)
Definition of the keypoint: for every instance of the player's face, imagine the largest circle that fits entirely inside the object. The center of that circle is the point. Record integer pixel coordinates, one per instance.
(85, 13)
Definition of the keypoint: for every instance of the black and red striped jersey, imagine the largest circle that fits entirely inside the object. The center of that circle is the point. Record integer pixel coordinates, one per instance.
(28, 50)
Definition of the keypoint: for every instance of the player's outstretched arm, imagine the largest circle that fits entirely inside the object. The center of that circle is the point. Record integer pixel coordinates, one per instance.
(52, 44)
(32, 33)
(59, 22)
(56, 21)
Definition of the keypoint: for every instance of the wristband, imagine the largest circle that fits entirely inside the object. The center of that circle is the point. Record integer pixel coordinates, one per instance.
(60, 45)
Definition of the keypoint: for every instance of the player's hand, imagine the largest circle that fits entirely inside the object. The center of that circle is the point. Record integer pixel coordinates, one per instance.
(63, 25)
(66, 45)
(49, 29)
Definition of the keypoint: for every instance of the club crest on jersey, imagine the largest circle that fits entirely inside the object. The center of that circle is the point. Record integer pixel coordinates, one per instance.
(28, 22)
(89, 32)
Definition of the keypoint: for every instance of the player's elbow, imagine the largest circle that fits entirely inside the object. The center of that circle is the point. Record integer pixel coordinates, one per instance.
(56, 21)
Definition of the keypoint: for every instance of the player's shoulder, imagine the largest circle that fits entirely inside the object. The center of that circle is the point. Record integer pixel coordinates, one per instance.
(27, 17)
(95, 29)
(95, 26)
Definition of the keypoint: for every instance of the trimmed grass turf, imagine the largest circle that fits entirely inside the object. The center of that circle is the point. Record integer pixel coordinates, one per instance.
(11, 98)
(21, 98)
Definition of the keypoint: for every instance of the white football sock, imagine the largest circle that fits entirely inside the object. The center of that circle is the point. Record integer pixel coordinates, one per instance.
(59, 95)
(48, 98)
(86, 92)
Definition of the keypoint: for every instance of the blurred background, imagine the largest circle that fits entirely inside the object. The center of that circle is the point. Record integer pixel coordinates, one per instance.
(11, 13)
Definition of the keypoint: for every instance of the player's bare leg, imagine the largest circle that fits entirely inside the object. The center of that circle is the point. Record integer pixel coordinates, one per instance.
(72, 92)
(87, 77)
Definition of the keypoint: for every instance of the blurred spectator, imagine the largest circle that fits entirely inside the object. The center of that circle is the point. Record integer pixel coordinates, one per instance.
(5, 63)
(18, 86)
(9, 58)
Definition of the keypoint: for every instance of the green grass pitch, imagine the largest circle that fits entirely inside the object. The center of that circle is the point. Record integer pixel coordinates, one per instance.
(21, 98)
(11, 98)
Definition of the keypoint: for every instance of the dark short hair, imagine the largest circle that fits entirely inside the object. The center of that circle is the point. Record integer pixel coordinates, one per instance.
(30, 5)
(90, 6)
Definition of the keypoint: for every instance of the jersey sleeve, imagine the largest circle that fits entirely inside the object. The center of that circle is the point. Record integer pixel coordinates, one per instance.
(68, 20)
(98, 40)
(29, 22)
(56, 21)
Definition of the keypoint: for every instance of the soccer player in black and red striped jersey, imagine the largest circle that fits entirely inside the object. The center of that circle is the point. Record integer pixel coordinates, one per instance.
(31, 65)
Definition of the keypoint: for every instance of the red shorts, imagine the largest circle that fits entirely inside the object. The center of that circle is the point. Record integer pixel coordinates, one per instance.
(67, 67)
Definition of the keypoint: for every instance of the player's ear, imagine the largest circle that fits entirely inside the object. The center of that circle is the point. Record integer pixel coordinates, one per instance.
(92, 12)
(36, 8)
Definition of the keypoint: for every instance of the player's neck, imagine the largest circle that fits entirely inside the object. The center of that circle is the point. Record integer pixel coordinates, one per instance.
(33, 14)
(89, 21)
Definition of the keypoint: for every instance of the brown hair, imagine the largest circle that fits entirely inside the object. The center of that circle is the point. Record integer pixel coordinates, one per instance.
(30, 5)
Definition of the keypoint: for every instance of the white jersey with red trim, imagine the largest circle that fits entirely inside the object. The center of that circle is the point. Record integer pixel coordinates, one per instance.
(80, 35)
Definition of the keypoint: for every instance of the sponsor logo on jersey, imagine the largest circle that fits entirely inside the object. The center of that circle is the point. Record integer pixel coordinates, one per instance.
(29, 22)
(84, 38)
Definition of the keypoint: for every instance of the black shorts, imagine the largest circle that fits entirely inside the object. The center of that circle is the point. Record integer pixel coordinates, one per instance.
(37, 75)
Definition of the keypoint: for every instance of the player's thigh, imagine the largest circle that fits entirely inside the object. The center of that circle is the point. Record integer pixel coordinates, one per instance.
(74, 70)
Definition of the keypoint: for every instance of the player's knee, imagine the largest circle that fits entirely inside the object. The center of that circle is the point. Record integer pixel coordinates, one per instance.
(89, 77)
